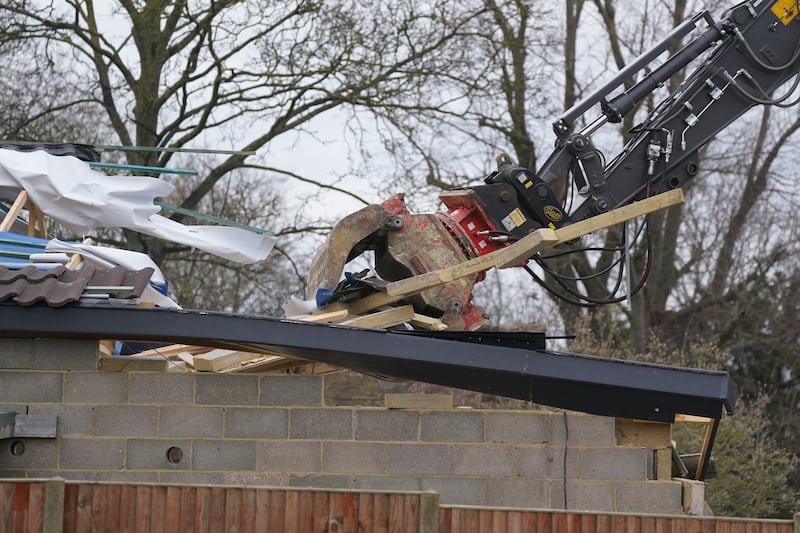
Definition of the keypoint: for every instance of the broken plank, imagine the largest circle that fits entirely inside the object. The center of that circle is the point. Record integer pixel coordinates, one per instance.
(693, 419)
(531, 244)
(74, 261)
(172, 350)
(218, 360)
(367, 303)
(705, 453)
(511, 255)
(255, 351)
(16, 207)
(619, 215)
(106, 347)
(526, 247)
(427, 322)
(187, 358)
(330, 316)
(282, 364)
(383, 319)
(259, 363)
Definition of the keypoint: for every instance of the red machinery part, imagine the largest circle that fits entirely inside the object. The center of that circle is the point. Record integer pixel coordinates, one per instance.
(469, 222)
(420, 243)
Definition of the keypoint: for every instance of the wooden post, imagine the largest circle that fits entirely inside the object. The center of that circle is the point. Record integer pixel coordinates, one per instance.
(32, 217)
(429, 512)
(53, 505)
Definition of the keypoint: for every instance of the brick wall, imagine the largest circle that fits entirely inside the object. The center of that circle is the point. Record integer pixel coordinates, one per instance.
(277, 430)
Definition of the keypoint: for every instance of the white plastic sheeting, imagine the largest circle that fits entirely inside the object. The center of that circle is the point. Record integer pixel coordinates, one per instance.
(81, 199)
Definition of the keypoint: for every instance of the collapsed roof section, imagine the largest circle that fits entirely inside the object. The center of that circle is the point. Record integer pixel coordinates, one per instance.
(512, 366)
(484, 363)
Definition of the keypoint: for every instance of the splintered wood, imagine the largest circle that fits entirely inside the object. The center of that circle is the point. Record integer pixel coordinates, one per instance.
(35, 216)
(509, 256)
(376, 310)
(530, 245)
(188, 358)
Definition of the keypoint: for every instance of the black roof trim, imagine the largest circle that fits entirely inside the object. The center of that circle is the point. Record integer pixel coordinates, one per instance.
(596, 385)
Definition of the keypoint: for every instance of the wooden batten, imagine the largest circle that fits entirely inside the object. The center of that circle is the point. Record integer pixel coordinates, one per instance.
(14, 211)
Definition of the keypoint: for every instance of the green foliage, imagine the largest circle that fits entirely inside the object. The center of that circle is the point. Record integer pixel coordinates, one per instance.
(754, 467)
(613, 340)
(753, 470)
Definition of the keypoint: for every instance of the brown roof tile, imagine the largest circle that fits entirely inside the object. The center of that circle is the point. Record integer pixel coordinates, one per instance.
(30, 273)
(59, 286)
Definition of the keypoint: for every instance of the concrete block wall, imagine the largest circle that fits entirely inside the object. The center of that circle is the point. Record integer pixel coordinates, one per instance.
(276, 430)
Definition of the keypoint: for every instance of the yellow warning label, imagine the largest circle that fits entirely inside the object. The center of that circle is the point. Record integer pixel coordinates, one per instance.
(785, 10)
(517, 216)
(528, 184)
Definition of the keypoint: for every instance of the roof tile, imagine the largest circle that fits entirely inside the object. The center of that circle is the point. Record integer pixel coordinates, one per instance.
(59, 286)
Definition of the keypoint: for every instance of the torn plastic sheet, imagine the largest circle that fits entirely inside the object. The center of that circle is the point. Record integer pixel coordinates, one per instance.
(80, 199)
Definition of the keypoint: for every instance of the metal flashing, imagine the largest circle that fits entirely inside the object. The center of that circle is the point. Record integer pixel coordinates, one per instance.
(14, 424)
(596, 385)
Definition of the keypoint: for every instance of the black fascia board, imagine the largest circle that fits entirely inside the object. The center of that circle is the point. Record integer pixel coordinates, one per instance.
(603, 386)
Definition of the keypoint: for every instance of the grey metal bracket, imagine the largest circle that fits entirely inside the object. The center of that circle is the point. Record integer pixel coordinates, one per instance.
(15, 425)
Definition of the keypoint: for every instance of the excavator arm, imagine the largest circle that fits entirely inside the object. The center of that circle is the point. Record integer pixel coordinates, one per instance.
(754, 50)
(748, 55)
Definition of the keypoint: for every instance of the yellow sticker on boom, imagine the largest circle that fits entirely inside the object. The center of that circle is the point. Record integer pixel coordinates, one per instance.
(517, 216)
(785, 10)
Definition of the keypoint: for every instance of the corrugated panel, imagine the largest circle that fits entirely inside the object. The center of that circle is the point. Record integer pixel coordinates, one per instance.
(58, 286)
(473, 520)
